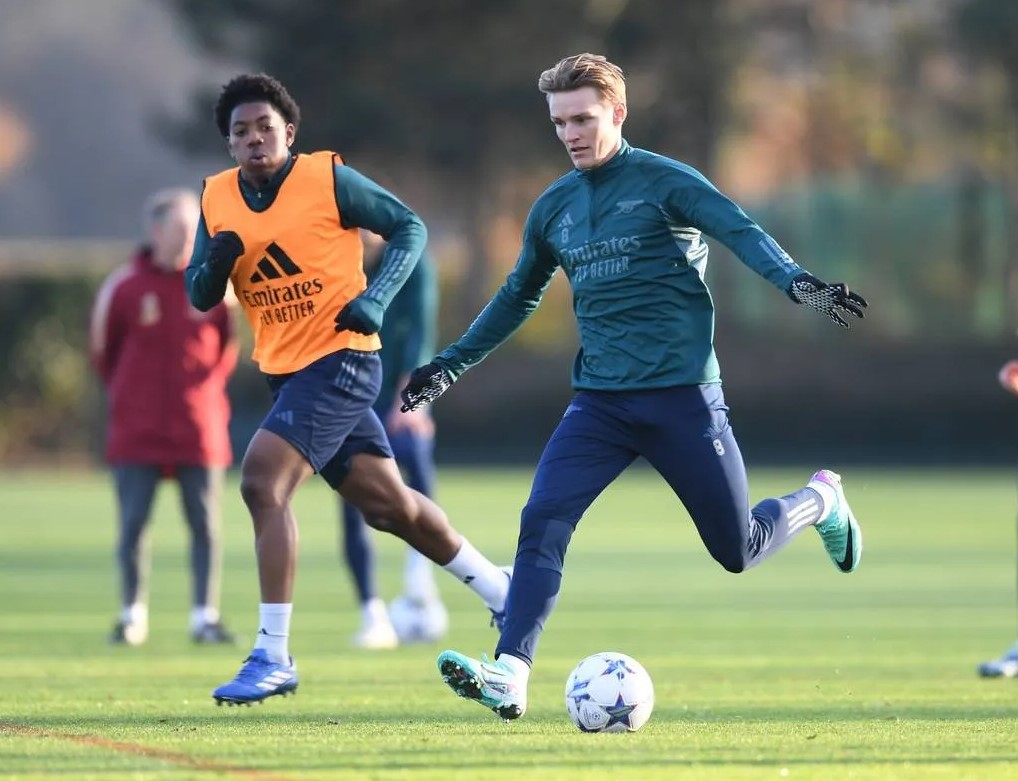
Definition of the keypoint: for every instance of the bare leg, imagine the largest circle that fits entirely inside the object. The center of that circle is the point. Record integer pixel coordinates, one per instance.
(375, 485)
(270, 475)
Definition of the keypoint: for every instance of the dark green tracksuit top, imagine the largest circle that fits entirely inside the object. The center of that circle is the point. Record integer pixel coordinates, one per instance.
(628, 237)
(408, 333)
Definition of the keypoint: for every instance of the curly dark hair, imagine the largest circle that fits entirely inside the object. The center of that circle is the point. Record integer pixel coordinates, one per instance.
(254, 88)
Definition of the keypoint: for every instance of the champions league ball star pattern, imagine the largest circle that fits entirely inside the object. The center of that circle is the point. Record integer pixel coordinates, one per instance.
(609, 692)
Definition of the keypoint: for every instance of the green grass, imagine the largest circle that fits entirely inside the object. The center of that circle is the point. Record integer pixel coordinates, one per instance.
(788, 671)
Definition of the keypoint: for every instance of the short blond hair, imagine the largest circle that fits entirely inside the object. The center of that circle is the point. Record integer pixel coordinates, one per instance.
(585, 70)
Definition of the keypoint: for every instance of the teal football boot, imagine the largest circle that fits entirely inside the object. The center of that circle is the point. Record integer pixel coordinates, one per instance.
(838, 529)
(492, 684)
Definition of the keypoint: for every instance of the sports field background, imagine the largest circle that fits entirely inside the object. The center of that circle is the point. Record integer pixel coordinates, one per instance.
(789, 671)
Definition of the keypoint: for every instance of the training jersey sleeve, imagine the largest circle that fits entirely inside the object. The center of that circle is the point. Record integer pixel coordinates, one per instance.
(420, 298)
(366, 204)
(692, 198)
(514, 302)
(205, 287)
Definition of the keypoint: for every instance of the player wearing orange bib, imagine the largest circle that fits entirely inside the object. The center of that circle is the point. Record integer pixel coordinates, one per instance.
(301, 265)
(283, 229)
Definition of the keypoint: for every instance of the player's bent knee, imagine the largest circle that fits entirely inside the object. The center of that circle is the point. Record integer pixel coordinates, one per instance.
(536, 515)
(732, 561)
(543, 541)
(389, 513)
(259, 494)
(383, 524)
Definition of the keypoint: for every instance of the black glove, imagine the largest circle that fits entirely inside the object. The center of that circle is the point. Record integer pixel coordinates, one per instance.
(831, 300)
(362, 315)
(426, 384)
(224, 249)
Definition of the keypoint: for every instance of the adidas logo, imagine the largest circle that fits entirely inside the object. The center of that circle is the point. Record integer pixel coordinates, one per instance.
(273, 680)
(565, 222)
(284, 265)
(285, 416)
(469, 579)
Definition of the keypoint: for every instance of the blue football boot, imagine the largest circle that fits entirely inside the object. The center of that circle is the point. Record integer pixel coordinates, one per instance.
(1004, 667)
(258, 679)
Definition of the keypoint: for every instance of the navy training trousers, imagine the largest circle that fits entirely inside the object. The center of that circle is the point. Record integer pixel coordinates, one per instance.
(683, 432)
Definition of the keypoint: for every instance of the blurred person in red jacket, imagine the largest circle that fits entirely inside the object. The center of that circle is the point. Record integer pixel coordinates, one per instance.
(165, 366)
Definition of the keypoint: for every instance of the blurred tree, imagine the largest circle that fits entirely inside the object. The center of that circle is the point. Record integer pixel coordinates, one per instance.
(989, 31)
(444, 93)
(854, 111)
(49, 397)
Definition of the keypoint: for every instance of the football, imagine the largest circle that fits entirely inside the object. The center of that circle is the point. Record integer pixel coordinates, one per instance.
(609, 692)
(418, 622)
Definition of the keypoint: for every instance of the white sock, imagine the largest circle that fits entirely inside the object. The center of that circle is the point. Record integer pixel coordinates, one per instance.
(519, 667)
(481, 576)
(274, 630)
(134, 614)
(374, 611)
(419, 577)
(202, 615)
(828, 499)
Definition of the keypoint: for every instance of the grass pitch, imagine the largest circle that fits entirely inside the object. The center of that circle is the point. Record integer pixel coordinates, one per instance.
(791, 670)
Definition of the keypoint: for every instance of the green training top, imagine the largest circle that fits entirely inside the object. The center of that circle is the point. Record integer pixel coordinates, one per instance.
(627, 234)
(408, 332)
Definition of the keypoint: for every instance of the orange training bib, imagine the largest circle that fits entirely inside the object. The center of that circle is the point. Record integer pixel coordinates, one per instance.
(300, 265)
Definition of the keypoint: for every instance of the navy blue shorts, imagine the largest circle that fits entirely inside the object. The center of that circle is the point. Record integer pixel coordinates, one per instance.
(324, 410)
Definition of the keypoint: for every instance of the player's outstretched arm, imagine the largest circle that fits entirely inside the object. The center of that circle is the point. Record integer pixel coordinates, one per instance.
(425, 384)
(834, 300)
(690, 196)
(514, 302)
(507, 311)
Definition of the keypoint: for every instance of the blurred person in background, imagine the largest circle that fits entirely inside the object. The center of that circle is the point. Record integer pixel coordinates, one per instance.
(625, 225)
(408, 336)
(284, 229)
(165, 366)
(1007, 665)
